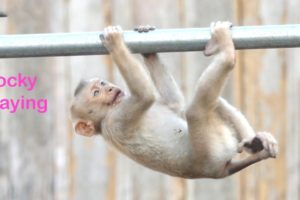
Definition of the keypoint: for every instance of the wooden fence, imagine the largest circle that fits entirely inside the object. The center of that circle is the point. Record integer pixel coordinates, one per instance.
(41, 158)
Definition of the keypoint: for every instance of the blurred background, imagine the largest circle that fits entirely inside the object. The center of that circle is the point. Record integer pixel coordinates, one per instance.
(40, 156)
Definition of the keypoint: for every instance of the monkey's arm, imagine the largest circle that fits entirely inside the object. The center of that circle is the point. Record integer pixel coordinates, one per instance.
(139, 83)
(168, 89)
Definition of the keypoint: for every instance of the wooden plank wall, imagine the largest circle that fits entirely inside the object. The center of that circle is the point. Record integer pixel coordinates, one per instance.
(41, 158)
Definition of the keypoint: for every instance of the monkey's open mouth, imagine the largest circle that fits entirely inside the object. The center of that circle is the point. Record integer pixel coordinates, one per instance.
(117, 96)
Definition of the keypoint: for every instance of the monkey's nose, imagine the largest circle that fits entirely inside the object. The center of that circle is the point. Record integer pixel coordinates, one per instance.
(109, 89)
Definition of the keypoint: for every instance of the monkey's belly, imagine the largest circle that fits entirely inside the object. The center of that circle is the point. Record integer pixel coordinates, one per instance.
(160, 157)
(164, 146)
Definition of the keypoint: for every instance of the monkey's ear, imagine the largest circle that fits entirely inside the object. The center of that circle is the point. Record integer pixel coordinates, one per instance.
(85, 128)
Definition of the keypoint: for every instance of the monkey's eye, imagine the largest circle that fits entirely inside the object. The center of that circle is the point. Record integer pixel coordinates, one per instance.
(96, 93)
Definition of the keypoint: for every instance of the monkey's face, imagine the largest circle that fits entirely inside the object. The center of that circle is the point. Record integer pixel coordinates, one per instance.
(92, 105)
(102, 93)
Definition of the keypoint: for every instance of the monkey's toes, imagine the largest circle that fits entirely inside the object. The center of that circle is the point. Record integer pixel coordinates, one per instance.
(144, 29)
(113, 30)
(220, 39)
(220, 26)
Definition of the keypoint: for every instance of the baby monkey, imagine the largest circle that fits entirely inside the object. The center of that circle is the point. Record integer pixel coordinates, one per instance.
(151, 125)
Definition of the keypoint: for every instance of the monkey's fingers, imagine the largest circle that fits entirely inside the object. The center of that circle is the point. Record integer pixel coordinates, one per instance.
(228, 24)
(101, 36)
(111, 35)
(220, 41)
(212, 25)
(273, 149)
(211, 47)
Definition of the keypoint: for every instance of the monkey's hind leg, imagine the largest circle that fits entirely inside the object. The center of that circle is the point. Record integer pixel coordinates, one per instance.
(269, 149)
(211, 82)
(263, 140)
(169, 92)
(200, 114)
(249, 140)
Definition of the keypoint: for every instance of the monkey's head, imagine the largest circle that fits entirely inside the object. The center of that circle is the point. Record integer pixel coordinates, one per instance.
(93, 99)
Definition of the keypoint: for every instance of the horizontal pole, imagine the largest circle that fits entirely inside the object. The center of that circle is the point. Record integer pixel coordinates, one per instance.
(159, 40)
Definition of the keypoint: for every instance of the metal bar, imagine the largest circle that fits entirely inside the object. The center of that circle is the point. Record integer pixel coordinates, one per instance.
(160, 40)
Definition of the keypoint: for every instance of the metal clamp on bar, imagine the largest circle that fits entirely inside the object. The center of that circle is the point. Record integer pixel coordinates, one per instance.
(2, 14)
(160, 40)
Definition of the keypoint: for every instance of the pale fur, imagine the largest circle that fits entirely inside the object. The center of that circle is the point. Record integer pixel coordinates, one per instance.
(158, 132)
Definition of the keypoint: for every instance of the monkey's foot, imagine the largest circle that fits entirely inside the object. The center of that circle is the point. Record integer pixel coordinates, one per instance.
(144, 29)
(263, 144)
(112, 37)
(269, 143)
(220, 38)
(252, 146)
